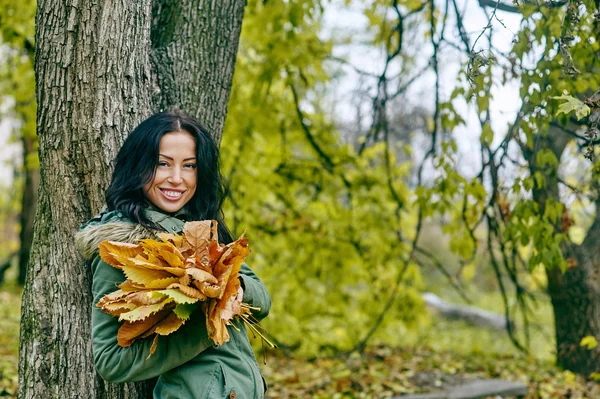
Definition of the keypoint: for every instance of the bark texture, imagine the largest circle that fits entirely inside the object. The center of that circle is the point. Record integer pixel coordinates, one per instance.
(194, 46)
(94, 84)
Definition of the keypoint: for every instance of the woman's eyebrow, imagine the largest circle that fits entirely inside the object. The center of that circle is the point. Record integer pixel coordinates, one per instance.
(168, 157)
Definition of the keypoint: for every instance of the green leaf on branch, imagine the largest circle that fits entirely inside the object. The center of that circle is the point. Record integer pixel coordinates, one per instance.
(572, 104)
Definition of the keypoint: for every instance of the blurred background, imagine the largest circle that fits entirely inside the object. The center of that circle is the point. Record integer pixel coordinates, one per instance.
(407, 179)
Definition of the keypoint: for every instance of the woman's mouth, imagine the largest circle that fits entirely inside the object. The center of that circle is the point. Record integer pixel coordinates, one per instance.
(171, 195)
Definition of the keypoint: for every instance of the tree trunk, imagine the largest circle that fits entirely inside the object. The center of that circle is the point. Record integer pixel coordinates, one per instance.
(575, 294)
(28, 207)
(194, 50)
(94, 84)
(575, 298)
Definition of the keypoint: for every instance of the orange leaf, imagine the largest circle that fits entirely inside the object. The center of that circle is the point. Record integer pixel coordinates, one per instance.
(153, 347)
(143, 312)
(208, 289)
(117, 308)
(201, 275)
(130, 331)
(198, 234)
(144, 263)
(141, 275)
(145, 297)
(162, 283)
(185, 280)
(113, 296)
(189, 291)
(111, 251)
(216, 328)
(162, 250)
(169, 325)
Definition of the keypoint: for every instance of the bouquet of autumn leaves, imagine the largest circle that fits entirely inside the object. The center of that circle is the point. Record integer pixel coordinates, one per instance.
(168, 279)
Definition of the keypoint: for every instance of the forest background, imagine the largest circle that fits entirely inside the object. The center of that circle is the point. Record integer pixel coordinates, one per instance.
(376, 151)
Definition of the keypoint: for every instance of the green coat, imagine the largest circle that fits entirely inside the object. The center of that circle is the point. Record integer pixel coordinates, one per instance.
(187, 363)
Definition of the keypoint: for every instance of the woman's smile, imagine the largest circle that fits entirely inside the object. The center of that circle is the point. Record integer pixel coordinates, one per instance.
(170, 194)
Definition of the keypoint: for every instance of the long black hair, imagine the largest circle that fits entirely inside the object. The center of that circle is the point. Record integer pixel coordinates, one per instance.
(136, 163)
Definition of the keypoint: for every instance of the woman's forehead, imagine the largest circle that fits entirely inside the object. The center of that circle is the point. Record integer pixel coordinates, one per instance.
(178, 144)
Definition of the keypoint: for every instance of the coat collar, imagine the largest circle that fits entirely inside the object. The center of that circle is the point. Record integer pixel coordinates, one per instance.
(172, 223)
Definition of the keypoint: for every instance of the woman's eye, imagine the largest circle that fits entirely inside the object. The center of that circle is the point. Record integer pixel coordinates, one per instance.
(162, 163)
(191, 165)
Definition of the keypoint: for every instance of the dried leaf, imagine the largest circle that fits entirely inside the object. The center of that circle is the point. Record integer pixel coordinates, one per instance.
(167, 280)
(198, 234)
(162, 250)
(208, 289)
(113, 296)
(162, 283)
(169, 325)
(215, 251)
(129, 286)
(141, 275)
(187, 291)
(185, 280)
(176, 271)
(111, 251)
(216, 328)
(130, 331)
(117, 308)
(167, 237)
(145, 297)
(201, 275)
(183, 297)
(142, 312)
(153, 347)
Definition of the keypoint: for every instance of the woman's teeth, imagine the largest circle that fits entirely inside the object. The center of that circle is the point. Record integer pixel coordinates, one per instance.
(173, 194)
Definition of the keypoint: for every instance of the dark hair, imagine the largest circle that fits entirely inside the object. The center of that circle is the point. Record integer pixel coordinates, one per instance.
(136, 163)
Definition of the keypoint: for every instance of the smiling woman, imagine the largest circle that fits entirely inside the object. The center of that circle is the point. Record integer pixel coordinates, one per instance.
(174, 182)
(167, 173)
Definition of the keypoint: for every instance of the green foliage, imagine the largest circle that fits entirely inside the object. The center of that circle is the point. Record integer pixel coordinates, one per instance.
(10, 305)
(321, 218)
(332, 223)
(572, 104)
(17, 80)
(589, 342)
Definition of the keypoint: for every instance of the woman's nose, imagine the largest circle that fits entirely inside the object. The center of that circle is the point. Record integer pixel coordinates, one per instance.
(175, 177)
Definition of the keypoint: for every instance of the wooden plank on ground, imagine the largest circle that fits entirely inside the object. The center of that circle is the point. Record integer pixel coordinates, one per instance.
(477, 389)
(482, 388)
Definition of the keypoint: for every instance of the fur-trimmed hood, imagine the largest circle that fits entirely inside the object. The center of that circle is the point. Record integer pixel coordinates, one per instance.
(88, 239)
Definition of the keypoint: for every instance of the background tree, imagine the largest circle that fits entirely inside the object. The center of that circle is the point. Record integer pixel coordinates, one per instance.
(17, 84)
(101, 69)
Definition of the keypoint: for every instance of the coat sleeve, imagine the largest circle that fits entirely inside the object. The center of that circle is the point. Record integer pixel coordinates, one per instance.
(255, 293)
(117, 364)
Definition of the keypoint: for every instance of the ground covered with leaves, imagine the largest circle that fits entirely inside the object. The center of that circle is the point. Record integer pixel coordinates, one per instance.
(380, 372)
(384, 372)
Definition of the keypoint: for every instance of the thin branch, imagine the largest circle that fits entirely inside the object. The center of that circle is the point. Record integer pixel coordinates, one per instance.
(436, 262)
(327, 162)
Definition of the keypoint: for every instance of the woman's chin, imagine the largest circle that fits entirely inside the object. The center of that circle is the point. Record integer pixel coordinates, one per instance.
(170, 207)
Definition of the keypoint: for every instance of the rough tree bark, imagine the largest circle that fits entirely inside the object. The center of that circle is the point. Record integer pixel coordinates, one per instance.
(102, 67)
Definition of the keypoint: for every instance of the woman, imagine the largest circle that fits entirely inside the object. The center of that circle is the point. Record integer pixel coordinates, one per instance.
(166, 173)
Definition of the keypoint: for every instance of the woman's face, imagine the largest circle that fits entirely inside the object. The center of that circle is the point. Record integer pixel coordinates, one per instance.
(174, 182)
